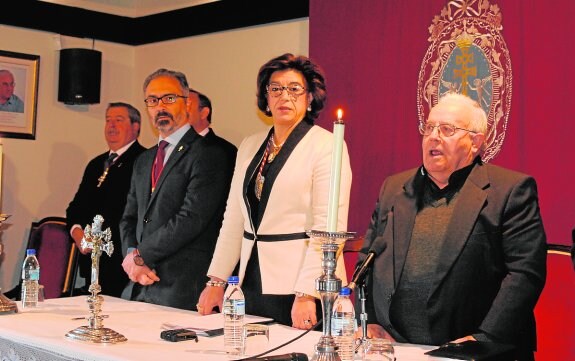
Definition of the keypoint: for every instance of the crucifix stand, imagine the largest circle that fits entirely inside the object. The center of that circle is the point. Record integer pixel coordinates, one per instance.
(98, 241)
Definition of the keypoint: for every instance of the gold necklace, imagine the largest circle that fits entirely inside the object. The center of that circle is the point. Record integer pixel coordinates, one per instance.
(275, 150)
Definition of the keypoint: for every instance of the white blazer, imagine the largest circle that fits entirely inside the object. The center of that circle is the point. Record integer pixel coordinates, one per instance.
(298, 201)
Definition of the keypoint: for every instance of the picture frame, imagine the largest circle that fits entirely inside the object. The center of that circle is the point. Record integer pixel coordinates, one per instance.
(18, 94)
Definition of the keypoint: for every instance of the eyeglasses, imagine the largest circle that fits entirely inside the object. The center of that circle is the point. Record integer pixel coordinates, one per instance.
(447, 130)
(293, 89)
(166, 99)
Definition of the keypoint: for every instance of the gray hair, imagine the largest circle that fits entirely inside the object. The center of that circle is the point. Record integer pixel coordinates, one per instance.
(478, 119)
(180, 77)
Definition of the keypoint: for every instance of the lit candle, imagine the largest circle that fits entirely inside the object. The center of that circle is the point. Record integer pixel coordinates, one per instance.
(335, 180)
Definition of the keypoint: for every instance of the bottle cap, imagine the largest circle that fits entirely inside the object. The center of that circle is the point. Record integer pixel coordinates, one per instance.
(233, 280)
(30, 252)
(345, 291)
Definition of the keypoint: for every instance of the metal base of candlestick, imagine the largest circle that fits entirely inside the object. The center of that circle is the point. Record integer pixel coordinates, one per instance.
(7, 305)
(99, 335)
(328, 286)
(95, 332)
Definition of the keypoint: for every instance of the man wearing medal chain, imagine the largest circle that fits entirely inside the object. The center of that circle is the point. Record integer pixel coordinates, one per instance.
(103, 190)
(176, 199)
(279, 190)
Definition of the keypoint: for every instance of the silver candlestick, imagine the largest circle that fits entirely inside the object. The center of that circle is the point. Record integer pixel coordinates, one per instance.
(98, 241)
(328, 286)
(6, 305)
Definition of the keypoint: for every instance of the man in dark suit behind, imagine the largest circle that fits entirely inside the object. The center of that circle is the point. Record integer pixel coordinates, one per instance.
(200, 118)
(464, 252)
(172, 220)
(103, 191)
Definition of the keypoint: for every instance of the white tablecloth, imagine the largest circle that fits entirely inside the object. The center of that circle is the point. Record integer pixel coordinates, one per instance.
(39, 334)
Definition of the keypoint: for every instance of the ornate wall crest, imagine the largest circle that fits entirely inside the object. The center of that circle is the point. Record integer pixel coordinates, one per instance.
(468, 55)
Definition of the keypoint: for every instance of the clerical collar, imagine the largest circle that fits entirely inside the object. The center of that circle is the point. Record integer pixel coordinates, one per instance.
(456, 180)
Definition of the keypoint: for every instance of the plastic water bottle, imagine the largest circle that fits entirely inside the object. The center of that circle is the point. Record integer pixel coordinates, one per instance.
(234, 312)
(30, 277)
(343, 325)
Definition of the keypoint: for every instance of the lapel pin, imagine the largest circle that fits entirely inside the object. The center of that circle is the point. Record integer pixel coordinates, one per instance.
(180, 148)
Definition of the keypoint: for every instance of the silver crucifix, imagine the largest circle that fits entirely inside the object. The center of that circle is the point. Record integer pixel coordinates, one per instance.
(98, 241)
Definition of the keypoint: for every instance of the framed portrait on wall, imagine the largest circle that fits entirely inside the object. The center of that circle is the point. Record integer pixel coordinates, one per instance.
(18, 94)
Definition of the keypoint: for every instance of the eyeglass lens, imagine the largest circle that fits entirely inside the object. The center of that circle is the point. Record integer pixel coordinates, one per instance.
(293, 89)
(445, 129)
(166, 99)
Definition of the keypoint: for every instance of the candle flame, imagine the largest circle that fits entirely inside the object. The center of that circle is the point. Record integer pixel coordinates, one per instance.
(339, 114)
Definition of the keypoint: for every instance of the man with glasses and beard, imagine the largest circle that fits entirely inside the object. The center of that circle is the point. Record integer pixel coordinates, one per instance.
(176, 199)
(463, 243)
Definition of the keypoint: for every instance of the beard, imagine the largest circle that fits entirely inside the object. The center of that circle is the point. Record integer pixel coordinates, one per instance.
(163, 122)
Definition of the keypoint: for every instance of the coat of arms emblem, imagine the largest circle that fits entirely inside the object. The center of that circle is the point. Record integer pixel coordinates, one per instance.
(468, 55)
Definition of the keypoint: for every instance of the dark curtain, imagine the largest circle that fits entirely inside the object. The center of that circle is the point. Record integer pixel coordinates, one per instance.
(372, 50)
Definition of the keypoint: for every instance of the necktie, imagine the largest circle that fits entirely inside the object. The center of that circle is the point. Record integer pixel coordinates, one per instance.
(159, 162)
(110, 160)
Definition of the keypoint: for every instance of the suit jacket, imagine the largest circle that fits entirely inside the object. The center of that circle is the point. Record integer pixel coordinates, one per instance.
(229, 149)
(109, 201)
(175, 228)
(491, 268)
(294, 199)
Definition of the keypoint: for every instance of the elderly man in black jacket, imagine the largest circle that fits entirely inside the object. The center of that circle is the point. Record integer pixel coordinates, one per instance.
(464, 246)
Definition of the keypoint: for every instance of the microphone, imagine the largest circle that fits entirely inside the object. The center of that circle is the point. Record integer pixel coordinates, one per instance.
(294, 356)
(376, 248)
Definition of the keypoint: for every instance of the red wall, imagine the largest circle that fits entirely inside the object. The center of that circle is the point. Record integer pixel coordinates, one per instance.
(372, 50)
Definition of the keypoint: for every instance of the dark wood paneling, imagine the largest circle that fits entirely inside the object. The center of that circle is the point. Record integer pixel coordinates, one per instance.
(196, 20)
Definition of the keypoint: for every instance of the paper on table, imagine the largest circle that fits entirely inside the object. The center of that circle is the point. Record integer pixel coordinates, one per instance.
(212, 322)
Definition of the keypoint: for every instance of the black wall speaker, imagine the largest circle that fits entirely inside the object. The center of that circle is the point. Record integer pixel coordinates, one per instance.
(80, 76)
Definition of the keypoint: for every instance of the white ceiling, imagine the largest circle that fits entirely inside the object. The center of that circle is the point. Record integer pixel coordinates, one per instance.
(130, 8)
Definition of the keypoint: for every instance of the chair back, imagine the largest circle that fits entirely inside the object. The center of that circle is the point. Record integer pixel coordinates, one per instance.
(350, 254)
(555, 310)
(57, 255)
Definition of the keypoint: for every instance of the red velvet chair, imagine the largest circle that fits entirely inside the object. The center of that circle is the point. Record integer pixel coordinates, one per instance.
(555, 311)
(57, 255)
(350, 253)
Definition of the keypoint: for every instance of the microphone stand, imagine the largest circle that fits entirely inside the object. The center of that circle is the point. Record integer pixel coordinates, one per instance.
(363, 316)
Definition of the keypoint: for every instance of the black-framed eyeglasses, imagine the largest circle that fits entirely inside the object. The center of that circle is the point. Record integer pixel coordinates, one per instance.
(152, 101)
(447, 130)
(293, 89)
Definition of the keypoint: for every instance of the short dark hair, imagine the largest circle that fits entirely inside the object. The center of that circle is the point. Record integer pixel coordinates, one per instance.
(312, 73)
(179, 76)
(133, 113)
(204, 102)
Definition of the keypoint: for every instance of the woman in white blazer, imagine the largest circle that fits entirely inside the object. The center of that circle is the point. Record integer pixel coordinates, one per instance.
(279, 190)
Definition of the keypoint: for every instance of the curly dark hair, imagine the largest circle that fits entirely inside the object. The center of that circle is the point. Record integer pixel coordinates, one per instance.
(312, 73)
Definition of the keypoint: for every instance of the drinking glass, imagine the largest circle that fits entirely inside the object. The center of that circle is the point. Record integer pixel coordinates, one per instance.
(378, 349)
(256, 338)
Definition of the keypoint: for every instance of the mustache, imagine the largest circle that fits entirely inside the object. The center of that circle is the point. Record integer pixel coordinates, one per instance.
(163, 114)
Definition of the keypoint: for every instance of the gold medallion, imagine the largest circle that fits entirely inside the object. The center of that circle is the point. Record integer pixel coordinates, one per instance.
(271, 157)
(260, 179)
